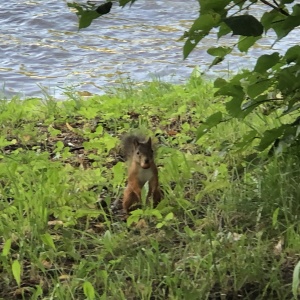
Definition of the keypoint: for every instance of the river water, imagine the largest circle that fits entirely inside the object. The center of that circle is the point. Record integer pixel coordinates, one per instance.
(42, 50)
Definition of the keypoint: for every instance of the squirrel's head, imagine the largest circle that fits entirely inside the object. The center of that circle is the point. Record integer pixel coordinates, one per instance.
(143, 153)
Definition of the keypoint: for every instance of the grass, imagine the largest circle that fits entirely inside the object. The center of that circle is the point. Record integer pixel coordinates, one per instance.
(228, 228)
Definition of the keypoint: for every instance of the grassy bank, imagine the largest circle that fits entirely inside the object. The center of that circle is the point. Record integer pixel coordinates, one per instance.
(228, 227)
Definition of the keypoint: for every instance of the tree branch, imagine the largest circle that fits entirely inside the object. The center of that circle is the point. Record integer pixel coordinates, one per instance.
(275, 7)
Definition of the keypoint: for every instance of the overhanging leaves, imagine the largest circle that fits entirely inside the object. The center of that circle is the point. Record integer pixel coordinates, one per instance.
(211, 122)
(270, 136)
(219, 52)
(87, 13)
(245, 25)
(266, 61)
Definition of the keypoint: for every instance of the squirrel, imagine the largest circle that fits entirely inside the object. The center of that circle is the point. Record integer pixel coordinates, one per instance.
(141, 169)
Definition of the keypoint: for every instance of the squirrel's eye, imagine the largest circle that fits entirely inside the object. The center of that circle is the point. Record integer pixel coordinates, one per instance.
(137, 152)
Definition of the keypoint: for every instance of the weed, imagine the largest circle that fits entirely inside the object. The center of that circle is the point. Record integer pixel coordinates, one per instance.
(228, 226)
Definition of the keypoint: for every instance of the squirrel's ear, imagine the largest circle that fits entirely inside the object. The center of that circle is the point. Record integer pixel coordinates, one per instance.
(136, 143)
(149, 142)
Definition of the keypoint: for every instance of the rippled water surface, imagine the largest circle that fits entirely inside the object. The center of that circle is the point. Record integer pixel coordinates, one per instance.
(42, 48)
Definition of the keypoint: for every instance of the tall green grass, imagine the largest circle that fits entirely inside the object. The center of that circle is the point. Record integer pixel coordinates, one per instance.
(228, 228)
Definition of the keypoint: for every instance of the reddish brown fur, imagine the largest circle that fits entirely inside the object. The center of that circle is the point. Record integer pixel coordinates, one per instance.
(141, 169)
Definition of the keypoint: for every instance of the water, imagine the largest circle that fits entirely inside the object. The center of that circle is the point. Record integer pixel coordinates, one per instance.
(41, 47)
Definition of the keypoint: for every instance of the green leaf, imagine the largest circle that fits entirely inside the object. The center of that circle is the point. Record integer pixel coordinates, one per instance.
(118, 171)
(219, 51)
(47, 240)
(87, 17)
(275, 217)
(269, 137)
(213, 5)
(169, 216)
(88, 290)
(296, 280)
(223, 30)
(205, 22)
(191, 43)
(233, 107)
(293, 55)
(134, 216)
(288, 80)
(104, 8)
(6, 247)
(246, 42)
(259, 87)
(199, 30)
(219, 82)
(272, 19)
(159, 225)
(211, 122)
(245, 25)
(16, 270)
(232, 89)
(266, 61)
(156, 213)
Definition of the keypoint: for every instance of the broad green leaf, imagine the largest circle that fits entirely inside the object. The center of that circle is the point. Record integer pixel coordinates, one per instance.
(156, 213)
(231, 89)
(134, 216)
(219, 82)
(245, 25)
(88, 290)
(16, 270)
(286, 26)
(269, 137)
(169, 216)
(246, 42)
(104, 8)
(288, 80)
(213, 5)
(6, 247)
(223, 30)
(236, 92)
(259, 87)
(205, 22)
(211, 122)
(293, 55)
(296, 280)
(47, 240)
(190, 44)
(288, 23)
(199, 30)
(272, 19)
(266, 61)
(59, 146)
(159, 225)
(219, 51)
(216, 61)
(87, 17)
(233, 107)
(118, 171)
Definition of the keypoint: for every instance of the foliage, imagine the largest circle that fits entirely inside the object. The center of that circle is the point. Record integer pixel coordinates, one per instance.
(272, 86)
(226, 227)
